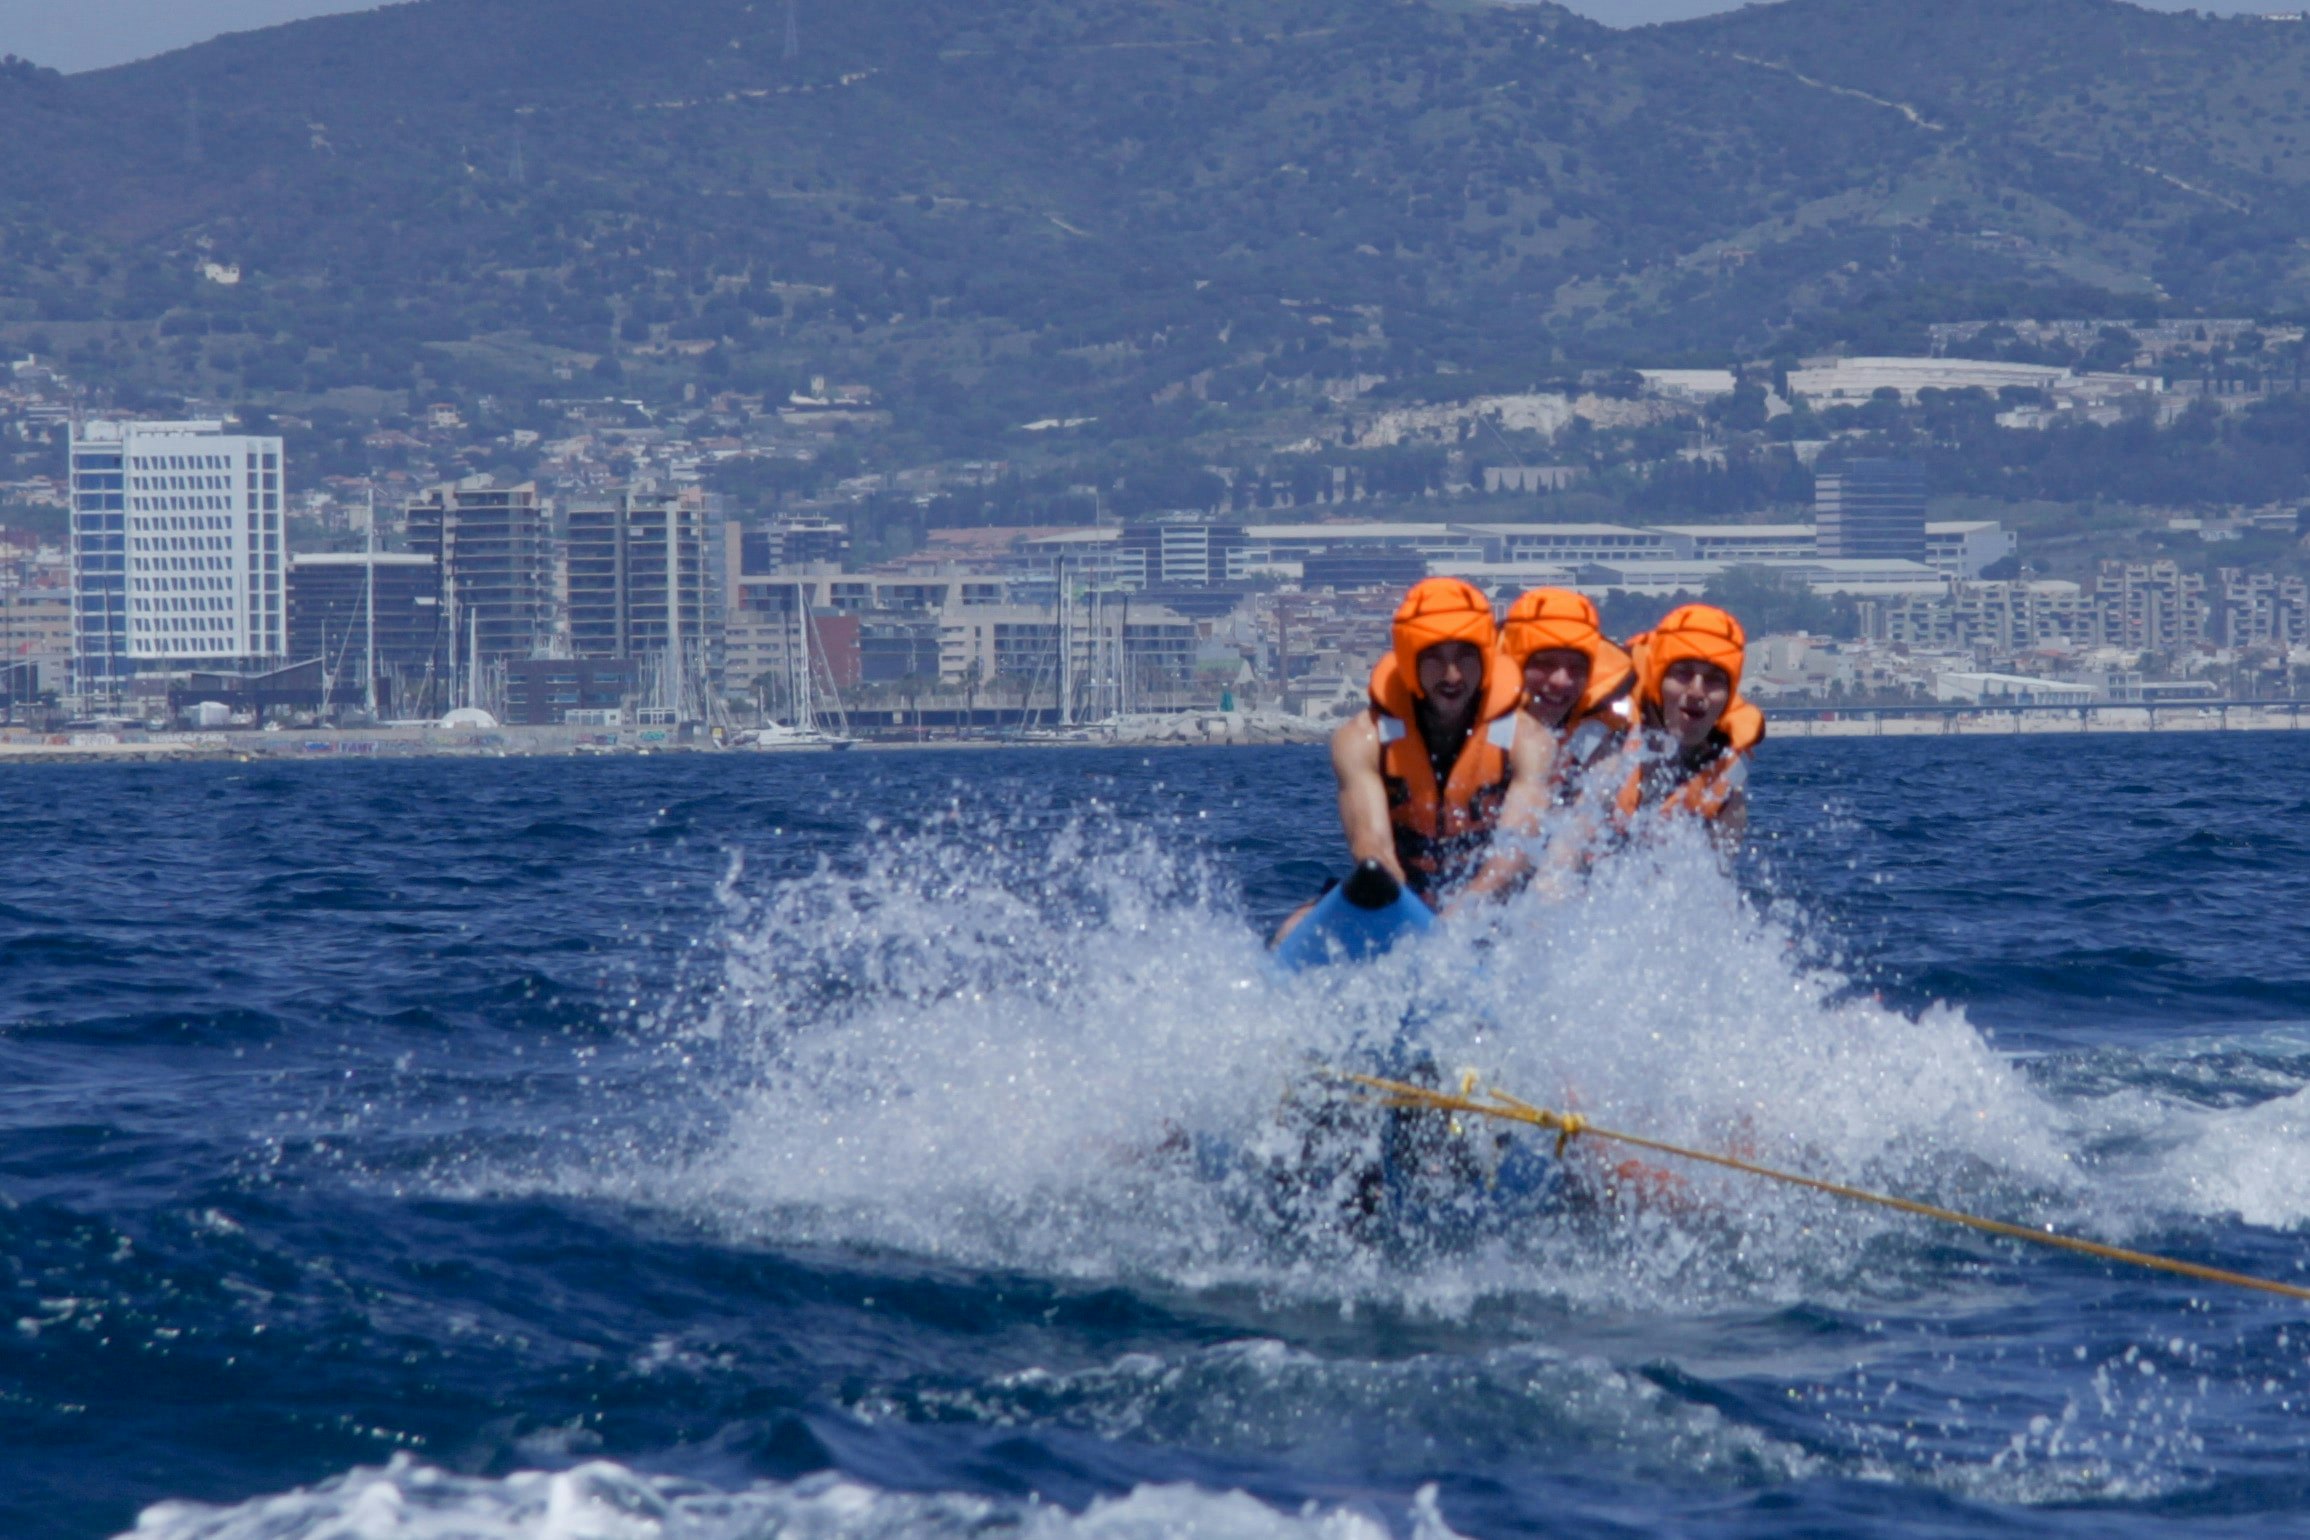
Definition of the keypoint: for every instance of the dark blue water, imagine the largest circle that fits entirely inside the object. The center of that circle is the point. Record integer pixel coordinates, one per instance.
(732, 1146)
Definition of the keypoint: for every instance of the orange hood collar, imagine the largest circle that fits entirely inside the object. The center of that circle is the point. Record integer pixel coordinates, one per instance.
(1503, 690)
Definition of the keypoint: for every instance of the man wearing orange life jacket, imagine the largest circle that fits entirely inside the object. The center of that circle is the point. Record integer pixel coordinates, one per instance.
(1440, 760)
(1696, 732)
(1576, 683)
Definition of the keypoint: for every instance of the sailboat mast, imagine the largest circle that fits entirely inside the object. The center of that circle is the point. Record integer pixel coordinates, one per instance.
(1066, 656)
(369, 609)
(804, 719)
(675, 593)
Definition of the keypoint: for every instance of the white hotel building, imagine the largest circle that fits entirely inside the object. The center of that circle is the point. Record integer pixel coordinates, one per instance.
(177, 555)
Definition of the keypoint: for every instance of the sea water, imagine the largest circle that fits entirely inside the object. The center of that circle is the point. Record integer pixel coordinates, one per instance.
(728, 1146)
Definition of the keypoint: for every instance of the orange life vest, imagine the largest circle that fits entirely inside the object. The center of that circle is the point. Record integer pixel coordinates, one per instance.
(1596, 728)
(1441, 826)
(1702, 783)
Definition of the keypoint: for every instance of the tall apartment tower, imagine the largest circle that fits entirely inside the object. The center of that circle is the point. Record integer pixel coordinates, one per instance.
(349, 609)
(788, 544)
(489, 542)
(1871, 509)
(177, 555)
(640, 578)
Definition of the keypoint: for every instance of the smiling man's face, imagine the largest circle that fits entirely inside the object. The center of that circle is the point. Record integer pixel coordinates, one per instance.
(1693, 695)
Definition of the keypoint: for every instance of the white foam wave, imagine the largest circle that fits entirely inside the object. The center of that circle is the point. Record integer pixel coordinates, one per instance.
(606, 1501)
(1017, 1048)
(2204, 1126)
(2253, 1162)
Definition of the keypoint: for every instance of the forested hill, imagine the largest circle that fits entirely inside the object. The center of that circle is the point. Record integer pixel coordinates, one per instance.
(994, 207)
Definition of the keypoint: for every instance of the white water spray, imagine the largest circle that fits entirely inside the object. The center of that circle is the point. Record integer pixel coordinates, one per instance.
(1016, 1049)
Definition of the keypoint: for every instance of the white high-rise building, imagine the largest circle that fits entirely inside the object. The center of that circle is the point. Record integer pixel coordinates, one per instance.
(177, 556)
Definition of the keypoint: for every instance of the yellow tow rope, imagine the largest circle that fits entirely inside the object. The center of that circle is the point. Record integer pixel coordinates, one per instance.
(1564, 1125)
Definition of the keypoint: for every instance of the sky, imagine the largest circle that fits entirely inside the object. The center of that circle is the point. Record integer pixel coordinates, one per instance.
(74, 35)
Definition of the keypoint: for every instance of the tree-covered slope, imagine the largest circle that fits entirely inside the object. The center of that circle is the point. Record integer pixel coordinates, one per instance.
(2176, 147)
(995, 207)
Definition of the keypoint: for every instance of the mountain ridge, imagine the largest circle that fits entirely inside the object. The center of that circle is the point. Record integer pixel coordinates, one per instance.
(1048, 207)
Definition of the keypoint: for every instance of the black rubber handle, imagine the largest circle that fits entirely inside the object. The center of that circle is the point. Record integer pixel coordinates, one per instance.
(1371, 887)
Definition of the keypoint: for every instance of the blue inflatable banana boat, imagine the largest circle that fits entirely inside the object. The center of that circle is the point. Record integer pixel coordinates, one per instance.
(1396, 1174)
(1361, 918)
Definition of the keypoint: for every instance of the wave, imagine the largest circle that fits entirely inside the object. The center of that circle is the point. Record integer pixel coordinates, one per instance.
(602, 1500)
(2208, 1126)
(1019, 1046)
(1384, 1417)
(1044, 1049)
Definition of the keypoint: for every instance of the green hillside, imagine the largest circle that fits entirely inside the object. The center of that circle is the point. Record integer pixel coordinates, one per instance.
(1143, 210)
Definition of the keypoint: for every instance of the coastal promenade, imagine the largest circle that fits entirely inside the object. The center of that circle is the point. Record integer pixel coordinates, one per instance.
(136, 745)
(133, 746)
(1208, 729)
(2006, 721)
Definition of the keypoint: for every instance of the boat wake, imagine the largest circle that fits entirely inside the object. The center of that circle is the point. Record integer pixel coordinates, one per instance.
(1071, 1062)
(602, 1500)
(1047, 1065)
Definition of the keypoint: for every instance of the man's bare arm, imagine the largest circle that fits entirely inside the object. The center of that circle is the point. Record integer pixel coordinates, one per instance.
(1531, 762)
(1363, 794)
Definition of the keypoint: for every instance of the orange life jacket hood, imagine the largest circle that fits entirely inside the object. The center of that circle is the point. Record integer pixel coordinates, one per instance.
(1547, 618)
(1441, 610)
(1705, 632)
